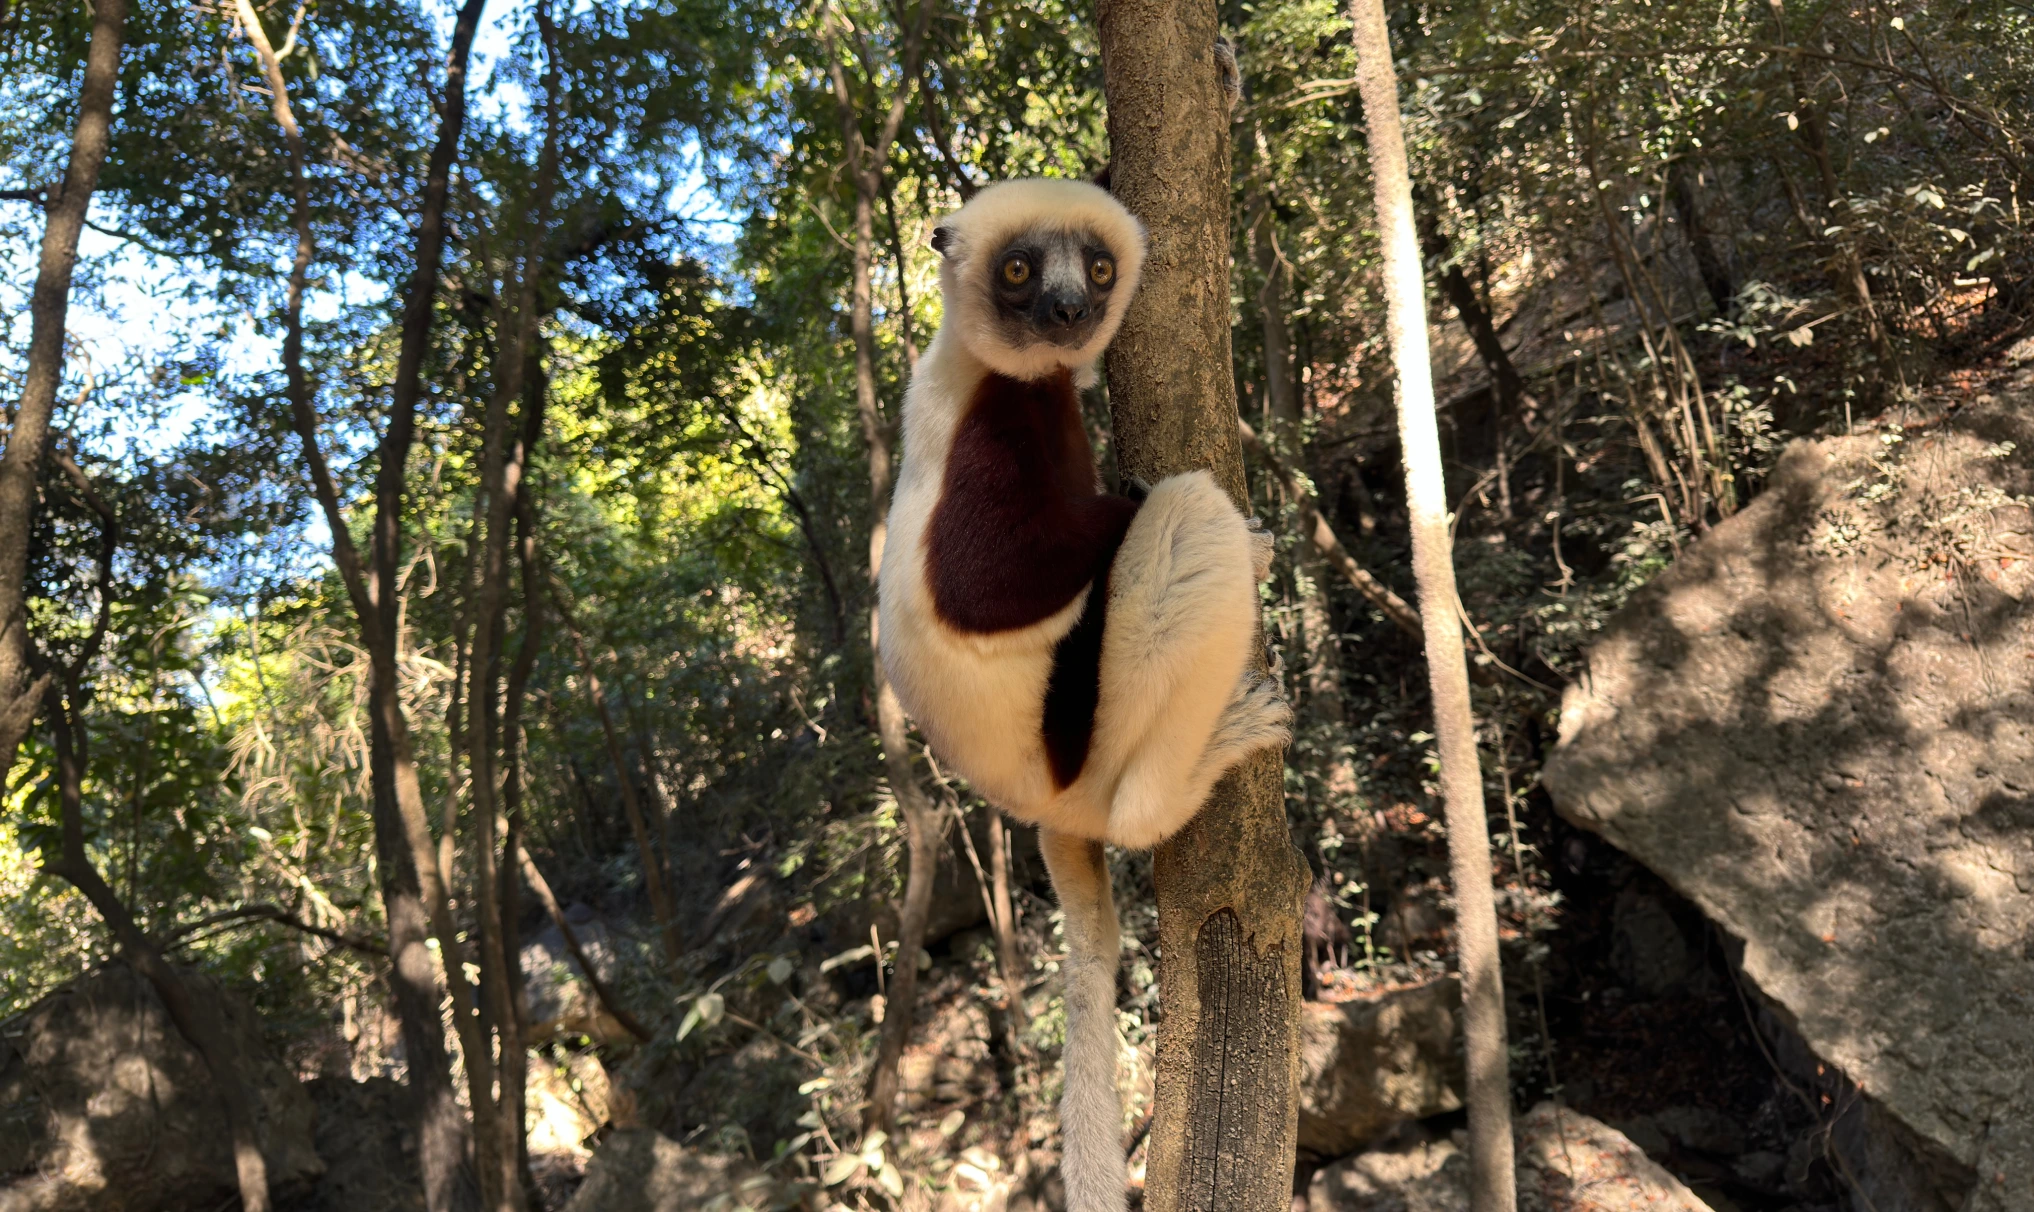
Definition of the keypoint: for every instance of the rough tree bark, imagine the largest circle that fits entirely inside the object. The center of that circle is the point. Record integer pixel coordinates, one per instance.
(1230, 885)
(414, 895)
(866, 162)
(21, 690)
(1492, 1180)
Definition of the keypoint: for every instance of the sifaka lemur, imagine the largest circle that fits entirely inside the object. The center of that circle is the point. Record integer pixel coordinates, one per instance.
(1083, 659)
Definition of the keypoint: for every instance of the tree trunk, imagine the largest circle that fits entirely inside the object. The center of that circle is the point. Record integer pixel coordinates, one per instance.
(1492, 1181)
(1230, 885)
(515, 1054)
(1003, 919)
(501, 482)
(21, 692)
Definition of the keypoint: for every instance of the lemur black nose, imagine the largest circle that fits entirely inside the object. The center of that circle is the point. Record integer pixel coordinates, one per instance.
(1068, 312)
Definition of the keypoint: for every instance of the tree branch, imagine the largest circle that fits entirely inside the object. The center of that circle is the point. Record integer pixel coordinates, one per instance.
(273, 913)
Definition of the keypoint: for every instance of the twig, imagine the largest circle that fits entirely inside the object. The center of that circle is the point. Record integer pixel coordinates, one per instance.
(182, 935)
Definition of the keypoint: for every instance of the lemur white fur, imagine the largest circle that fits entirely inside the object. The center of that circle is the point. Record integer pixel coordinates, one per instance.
(1109, 725)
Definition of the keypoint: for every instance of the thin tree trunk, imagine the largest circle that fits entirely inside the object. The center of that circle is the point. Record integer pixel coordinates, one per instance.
(515, 1054)
(1004, 920)
(21, 691)
(198, 1021)
(1710, 264)
(1492, 1181)
(866, 164)
(501, 482)
(1230, 886)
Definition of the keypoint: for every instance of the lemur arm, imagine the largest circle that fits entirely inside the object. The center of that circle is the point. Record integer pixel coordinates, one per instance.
(1090, 1113)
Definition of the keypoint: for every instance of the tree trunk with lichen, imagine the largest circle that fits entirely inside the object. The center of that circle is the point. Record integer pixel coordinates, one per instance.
(1230, 885)
(1492, 1184)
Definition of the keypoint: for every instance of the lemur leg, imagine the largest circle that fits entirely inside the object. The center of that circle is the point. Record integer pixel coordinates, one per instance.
(1090, 1111)
(1181, 704)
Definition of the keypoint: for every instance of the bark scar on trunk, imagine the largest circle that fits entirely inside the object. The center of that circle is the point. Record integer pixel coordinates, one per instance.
(1240, 1078)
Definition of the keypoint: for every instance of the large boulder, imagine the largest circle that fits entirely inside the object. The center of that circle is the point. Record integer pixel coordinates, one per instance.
(1567, 1162)
(1818, 726)
(1367, 1065)
(104, 1106)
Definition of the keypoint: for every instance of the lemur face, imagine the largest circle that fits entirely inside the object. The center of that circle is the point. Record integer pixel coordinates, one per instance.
(1052, 286)
(1037, 274)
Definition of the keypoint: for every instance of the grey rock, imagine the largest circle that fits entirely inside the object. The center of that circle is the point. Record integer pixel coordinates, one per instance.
(1365, 1066)
(1818, 726)
(1567, 1162)
(369, 1151)
(104, 1105)
(1702, 1130)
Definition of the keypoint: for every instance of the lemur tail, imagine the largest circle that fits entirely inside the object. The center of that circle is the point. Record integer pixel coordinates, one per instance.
(1091, 1114)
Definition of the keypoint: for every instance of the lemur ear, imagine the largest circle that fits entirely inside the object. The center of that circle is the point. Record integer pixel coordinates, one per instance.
(942, 239)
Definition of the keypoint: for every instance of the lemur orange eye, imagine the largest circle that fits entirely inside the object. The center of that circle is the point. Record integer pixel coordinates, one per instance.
(1102, 272)
(1016, 271)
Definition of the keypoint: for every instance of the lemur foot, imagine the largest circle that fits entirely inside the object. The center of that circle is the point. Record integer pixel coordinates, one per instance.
(1261, 546)
(1257, 718)
(1136, 488)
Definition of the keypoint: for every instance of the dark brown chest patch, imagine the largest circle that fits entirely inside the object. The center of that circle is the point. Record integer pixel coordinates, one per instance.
(1022, 526)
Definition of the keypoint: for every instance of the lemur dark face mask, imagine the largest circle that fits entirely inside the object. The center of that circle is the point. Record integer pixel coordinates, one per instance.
(1051, 287)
